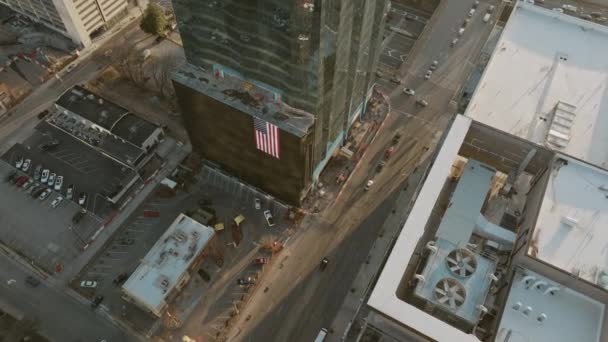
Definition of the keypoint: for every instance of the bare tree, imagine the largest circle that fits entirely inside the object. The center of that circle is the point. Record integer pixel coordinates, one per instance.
(161, 71)
(131, 65)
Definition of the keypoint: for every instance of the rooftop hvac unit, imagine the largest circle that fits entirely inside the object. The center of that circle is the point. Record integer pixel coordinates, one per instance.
(461, 262)
(450, 292)
(570, 221)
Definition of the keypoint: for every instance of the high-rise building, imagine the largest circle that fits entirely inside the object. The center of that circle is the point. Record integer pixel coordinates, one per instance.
(272, 87)
(76, 19)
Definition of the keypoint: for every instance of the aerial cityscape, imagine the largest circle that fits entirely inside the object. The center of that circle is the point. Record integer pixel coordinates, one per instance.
(303, 170)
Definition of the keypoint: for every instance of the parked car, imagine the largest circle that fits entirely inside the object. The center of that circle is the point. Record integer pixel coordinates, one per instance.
(37, 172)
(396, 79)
(82, 199)
(389, 152)
(70, 192)
(11, 176)
(269, 218)
(33, 282)
(454, 41)
(45, 194)
(434, 65)
(39, 191)
(51, 181)
(22, 181)
(257, 204)
(422, 102)
(121, 278)
(409, 91)
(33, 188)
(58, 183)
(71, 67)
(56, 202)
(95, 303)
(28, 184)
(26, 165)
(246, 281)
(368, 185)
(396, 138)
(428, 74)
(78, 216)
(16, 179)
(127, 242)
(19, 162)
(260, 261)
(88, 284)
(49, 145)
(45, 175)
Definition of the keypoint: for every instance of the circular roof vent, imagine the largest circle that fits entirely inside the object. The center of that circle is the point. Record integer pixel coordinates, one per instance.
(461, 262)
(450, 292)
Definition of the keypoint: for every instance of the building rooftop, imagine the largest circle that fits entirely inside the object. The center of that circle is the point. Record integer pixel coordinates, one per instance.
(548, 313)
(437, 278)
(167, 261)
(547, 82)
(247, 97)
(571, 226)
(110, 116)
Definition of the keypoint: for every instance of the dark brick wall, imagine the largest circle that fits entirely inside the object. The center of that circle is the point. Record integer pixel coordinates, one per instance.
(225, 135)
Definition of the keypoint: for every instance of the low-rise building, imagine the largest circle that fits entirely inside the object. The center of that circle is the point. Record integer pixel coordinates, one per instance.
(168, 266)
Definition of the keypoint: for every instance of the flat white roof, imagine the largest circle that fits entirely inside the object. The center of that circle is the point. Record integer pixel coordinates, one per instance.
(548, 313)
(543, 59)
(384, 296)
(166, 263)
(571, 230)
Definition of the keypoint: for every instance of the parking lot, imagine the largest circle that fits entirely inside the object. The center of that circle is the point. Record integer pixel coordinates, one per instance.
(90, 172)
(34, 229)
(403, 26)
(123, 252)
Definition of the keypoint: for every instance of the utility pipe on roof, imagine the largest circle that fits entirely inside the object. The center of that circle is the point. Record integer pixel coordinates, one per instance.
(494, 232)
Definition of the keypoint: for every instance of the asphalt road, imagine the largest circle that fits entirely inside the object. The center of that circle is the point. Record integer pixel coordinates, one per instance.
(59, 316)
(301, 299)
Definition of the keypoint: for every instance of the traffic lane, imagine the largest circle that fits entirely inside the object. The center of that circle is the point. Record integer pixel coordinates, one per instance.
(318, 295)
(59, 317)
(444, 30)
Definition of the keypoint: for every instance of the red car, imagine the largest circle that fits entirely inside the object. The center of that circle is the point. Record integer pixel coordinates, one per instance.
(389, 152)
(22, 181)
(260, 261)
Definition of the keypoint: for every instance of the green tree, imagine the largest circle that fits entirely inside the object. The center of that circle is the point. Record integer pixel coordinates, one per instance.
(153, 20)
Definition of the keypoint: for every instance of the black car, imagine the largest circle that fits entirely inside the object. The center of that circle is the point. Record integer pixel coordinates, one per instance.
(33, 282)
(78, 216)
(38, 192)
(324, 263)
(246, 281)
(11, 176)
(49, 145)
(121, 278)
(95, 303)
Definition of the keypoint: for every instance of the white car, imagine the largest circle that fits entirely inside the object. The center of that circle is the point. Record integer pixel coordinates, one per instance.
(71, 67)
(82, 199)
(51, 181)
(409, 91)
(88, 284)
(45, 176)
(19, 162)
(257, 203)
(269, 218)
(434, 65)
(45, 194)
(368, 185)
(428, 74)
(557, 9)
(56, 202)
(26, 165)
(70, 192)
(58, 183)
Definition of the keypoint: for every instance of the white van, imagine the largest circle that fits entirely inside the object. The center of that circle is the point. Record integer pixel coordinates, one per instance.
(321, 336)
(486, 18)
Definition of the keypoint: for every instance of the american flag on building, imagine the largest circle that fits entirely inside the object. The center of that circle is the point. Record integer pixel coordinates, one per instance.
(266, 137)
